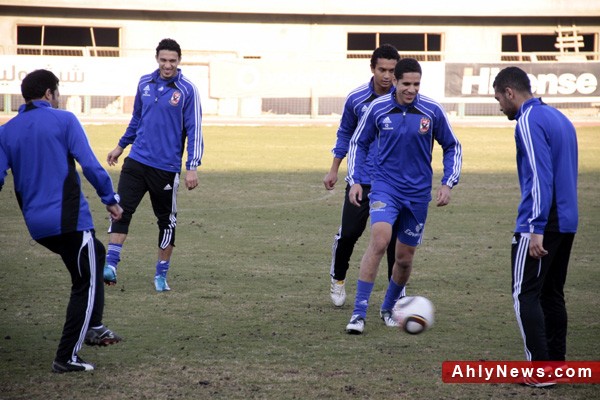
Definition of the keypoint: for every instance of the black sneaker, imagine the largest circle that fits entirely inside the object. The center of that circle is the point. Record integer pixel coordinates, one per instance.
(101, 337)
(71, 366)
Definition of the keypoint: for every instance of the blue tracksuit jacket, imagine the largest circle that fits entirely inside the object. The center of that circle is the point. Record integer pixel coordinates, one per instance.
(165, 113)
(547, 168)
(404, 136)
(355, 106)
(40, 145)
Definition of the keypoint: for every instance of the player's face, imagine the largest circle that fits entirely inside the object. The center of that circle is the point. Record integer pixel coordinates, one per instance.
(54, 99)
(383, 75)
(168, 61)
(407, 87)
(507, 106)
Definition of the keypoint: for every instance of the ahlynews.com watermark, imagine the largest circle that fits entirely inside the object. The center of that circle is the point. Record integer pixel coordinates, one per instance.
(554, 372)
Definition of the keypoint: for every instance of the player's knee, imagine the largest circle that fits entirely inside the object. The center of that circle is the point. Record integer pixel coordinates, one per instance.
(166, 237)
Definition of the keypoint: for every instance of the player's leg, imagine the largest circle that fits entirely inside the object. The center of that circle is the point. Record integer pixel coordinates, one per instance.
(552, 297)
(411, 227)
(383, 214)
(74, 250)
(527, 279)
(163, 196)
(132, 188)
(98, 334)
(391, 250)
(380, 236)
(354, 222)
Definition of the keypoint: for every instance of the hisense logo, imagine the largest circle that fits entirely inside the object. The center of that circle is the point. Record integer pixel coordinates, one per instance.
(541, 84)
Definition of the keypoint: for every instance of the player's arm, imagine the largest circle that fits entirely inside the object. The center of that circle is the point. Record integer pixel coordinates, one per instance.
(359, 149)
(130, 133)
(347, 126)
(331, 177)
(3, 164)
(452, 157)
(540, 186)
(192, 120)
(79, 147)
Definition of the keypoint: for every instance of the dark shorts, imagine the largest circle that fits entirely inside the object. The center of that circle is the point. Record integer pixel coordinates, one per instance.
(135, 181)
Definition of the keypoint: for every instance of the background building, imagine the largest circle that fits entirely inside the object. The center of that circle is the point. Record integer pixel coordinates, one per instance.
(301, 58)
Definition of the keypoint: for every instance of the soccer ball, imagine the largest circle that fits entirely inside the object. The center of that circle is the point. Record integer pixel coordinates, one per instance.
(414, 314)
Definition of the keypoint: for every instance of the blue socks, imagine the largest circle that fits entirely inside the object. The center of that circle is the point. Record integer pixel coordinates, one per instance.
(113, 256)
(161, 268)
(393, 293)
(361, 302)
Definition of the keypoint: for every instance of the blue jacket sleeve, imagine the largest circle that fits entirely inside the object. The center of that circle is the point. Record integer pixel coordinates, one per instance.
(192, 120)
(348, 124)
(360, 143)
(3, 162)
(79, 148)
(451, 148)
(537, 180)
(131, 131)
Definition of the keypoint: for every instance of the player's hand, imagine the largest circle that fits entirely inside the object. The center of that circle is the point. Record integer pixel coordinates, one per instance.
(330, 180)
(191, 179)
(113, 156)
(355, 194)
(536, 246)
(443, 196)
(115, 211)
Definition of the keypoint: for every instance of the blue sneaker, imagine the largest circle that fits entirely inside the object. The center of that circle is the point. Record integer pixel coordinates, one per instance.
(160, 283)
(110, 275)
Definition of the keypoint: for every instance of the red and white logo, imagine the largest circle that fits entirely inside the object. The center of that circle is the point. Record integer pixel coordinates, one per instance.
(175, 97)
(424, 125)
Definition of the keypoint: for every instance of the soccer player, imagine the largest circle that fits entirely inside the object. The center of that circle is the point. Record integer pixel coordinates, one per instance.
(405, 125)
(40, 145)
(547, 215)
(354, 219)
(166, 112)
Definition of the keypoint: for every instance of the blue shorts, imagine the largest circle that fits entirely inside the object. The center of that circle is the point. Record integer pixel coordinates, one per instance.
(411, 216)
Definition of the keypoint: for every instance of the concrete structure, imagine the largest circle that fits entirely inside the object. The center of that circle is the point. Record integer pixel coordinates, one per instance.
(300, 57)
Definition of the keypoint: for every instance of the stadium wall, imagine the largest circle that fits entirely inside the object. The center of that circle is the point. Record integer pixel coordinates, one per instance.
(258, 88)
(269, 60)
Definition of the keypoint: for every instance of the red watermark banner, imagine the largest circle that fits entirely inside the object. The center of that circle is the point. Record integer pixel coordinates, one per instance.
(521, 371)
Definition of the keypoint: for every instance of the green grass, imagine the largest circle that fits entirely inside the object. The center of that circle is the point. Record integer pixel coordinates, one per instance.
(249, 316)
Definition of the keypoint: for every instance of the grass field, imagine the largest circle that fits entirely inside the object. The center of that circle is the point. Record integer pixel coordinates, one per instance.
(249, 316)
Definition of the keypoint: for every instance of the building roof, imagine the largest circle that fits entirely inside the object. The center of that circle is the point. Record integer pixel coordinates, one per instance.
(438, 8)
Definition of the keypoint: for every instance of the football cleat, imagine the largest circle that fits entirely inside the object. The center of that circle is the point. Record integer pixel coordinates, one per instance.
(71, 366)
(356, 326)
(338, 292)
(101, 337)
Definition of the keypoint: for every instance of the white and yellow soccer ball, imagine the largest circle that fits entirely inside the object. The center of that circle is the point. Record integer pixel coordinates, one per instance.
(414, 314)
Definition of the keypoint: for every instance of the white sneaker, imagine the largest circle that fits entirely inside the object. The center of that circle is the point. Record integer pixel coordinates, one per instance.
(338, 292)
(356, 326)
(387, 317)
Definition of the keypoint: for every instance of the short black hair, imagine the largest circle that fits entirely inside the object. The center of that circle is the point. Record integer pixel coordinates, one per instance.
(513, 77)
(407, 65)
(168, 44)
(386, 51)
(35, 84)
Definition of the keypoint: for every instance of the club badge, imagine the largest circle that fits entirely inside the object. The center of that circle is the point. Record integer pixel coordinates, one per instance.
(175, 97)
(424, 125)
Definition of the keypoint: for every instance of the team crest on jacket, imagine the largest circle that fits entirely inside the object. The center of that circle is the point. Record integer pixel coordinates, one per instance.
(424, 125)
(175, 97)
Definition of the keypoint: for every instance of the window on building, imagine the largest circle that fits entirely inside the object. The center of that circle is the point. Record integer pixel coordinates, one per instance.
(68, 41)
(540, 47)
(422, 46)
